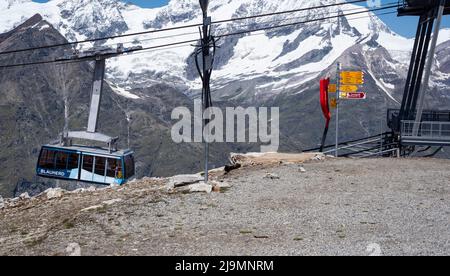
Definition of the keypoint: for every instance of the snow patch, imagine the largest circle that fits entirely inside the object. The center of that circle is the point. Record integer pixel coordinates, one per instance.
(381, 84)
(124, 93)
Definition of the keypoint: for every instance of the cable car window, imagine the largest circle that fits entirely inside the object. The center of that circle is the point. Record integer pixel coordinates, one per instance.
(129, 166)
(61, 160)
(73, 161)
(87, 162)
(113, 168)
(47, 159)
(100, 165)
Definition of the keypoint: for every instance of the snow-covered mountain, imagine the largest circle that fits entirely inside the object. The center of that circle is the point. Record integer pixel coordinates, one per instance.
(274, 61)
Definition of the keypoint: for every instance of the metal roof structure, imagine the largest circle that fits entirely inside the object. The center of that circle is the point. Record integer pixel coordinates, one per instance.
(92, 150)
(419, 7)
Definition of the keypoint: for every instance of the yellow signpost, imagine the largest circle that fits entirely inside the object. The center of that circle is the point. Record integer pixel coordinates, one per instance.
(352, 78)
(332, 88)
(352, 74)
(333, 103)
(349, 88)
(356, 81)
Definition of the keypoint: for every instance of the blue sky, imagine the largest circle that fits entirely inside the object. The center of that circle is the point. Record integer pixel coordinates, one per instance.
(405, 26)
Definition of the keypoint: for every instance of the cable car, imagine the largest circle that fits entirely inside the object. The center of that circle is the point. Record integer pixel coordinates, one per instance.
(70, 162)
(85, 164)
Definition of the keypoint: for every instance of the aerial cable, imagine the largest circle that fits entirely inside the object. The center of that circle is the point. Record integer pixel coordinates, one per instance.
(250, 34)
(302, 22)
(289, 11)
(173, 28)
(196, 40)
(362, 9)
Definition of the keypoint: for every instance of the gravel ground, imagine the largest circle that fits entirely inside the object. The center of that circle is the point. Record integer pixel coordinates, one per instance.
(336, 207)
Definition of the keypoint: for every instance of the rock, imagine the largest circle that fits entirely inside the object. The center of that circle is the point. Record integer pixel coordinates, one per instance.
(183, 180)
(271, 176)
(319, 157)
(220, 186)
(114, 186)
(73, 249)
(302, 170)
(229, 168)
(54, 193)
(91, 189)
(31, 187)
(92, 208)
(261, 236)
(270, 158)
(112, 201)
(200, 188)
(78, 191)
(24, 196)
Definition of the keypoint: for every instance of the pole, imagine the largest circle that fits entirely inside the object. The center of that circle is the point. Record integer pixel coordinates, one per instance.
(429, 65)
(206, 81)
(338, 88)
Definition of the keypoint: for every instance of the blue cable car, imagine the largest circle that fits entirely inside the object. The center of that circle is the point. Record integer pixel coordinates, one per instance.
(93, 165)
(89, 164)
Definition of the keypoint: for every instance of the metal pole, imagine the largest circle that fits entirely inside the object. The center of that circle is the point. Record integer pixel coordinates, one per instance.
(338, 88)
(96, 96)
(428, 68)
(206, 67)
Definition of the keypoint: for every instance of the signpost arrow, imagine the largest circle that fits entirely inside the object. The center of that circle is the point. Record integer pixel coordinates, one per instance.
(352, 74)
(333, 103)
(349, 88)
(350, 80)
(332, 88)
(352, 77)
(354, 96)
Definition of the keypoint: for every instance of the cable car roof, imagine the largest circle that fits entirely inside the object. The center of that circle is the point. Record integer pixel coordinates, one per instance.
(92, 150)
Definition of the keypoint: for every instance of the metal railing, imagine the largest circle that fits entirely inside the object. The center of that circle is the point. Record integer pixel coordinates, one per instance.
(393, 117)
(425, 130)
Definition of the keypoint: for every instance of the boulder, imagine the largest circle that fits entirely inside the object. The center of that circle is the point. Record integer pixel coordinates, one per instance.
(183, 180)
(91, 189)
(54, 193)
(24, 196)
(229, 168)
(200, 188)
(271, 158)
(220, 186)
(73, 250)
(319, 157)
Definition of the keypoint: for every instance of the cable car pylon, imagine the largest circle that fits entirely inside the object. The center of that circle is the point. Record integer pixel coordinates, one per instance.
(206, 50)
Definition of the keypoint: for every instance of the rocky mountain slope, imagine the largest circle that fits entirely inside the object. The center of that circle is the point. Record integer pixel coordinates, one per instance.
(330, 207)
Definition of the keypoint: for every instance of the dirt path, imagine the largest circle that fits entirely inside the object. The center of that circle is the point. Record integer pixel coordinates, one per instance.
(336, 207)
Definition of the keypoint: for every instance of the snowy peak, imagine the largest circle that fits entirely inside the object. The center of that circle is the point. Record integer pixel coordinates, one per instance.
(75, 19)
(6, 4)
(275, 60)
(93, 18)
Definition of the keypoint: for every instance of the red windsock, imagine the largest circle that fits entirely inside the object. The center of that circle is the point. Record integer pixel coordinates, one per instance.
(324, 83)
